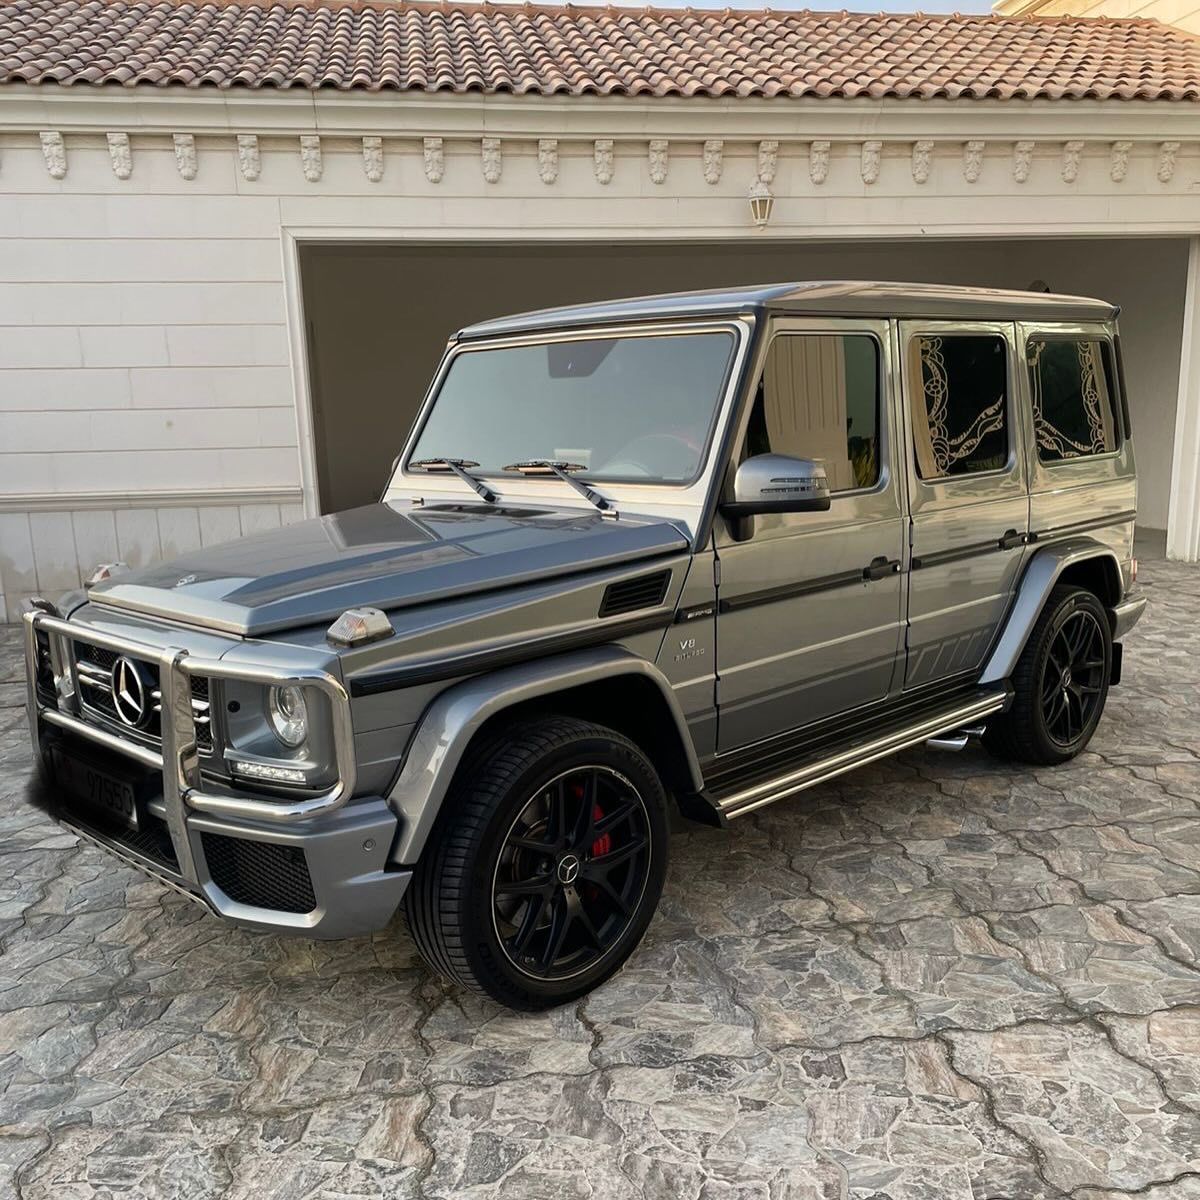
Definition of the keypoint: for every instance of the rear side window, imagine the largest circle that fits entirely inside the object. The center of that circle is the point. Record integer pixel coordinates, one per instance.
(1071, 380)
(819, 398)
(960, 408)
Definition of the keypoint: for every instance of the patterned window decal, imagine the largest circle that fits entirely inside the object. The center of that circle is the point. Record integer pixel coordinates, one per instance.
(1072, 399)
(959, 412)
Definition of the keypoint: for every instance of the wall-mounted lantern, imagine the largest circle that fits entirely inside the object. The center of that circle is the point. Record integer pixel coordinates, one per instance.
(761, 203)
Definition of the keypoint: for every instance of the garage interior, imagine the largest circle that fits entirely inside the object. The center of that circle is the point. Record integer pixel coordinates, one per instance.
(378, 315)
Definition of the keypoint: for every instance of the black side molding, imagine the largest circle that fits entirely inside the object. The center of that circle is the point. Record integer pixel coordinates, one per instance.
(876, 569)
(1083, 526)
(786, 591)
(971, 550)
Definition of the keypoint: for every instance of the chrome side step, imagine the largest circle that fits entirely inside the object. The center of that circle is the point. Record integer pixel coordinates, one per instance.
(955, 740)
(813, 773)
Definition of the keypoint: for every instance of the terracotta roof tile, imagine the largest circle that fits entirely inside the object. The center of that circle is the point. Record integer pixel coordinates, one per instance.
(372, 46)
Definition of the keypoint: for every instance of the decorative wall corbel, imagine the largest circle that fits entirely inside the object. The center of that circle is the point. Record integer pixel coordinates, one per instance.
(1070, 162)
(714, 160)
(492, 162)
(1167, 152)
(973, 160)
(922, 160)
(1022, 161)
(435, 159)
(603, 159)
(120, 155)
(185, 154)
(54, 151)
(249, 156)
(658, 152)
(310, 156)
(818, 161)
(870, 161)
(1118, 166)
(548, 159)
(372, 152)
(768, 160)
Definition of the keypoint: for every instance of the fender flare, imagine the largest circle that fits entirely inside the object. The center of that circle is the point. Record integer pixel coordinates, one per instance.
(457, 714)
(1043, 572)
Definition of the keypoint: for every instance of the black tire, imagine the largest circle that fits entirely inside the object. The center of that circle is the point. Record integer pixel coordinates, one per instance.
(463, 907)
(1058, 699)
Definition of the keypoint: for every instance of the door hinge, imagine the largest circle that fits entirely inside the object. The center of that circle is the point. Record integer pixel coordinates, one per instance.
(716, 572)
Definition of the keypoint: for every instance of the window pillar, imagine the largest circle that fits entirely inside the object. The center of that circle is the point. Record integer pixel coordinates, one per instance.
(1183, 520)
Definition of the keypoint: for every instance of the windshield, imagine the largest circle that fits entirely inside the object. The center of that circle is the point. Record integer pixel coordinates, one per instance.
(634, 407)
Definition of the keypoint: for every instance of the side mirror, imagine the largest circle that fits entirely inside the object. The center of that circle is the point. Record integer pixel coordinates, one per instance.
(776, 483)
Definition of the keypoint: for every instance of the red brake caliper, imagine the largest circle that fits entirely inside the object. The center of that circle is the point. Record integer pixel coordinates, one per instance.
(603, 844)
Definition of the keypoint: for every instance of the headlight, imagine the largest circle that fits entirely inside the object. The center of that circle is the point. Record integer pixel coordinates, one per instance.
(289, 715)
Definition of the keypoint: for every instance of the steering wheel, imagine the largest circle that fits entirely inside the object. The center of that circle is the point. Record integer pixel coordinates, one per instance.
(654, 454)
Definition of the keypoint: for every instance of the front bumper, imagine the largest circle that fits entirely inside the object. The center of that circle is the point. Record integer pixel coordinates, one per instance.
(316, 866)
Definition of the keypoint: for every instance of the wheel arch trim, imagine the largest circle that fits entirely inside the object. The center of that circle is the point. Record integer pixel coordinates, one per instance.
(453, 719)
(1045, 569)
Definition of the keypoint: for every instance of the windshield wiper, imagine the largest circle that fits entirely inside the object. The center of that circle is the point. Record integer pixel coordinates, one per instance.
(547, 466)
(457, 466)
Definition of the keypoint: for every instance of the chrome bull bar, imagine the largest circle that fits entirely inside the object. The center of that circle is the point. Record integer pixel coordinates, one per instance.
(183, 787)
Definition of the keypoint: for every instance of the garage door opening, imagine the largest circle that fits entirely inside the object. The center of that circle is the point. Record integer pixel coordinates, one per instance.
(378, 316)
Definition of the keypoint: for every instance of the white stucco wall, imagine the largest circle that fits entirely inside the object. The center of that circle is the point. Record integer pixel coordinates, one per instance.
(150, 340)
(143, 355)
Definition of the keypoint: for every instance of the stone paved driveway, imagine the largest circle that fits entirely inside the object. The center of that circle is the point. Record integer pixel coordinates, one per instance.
(942, 978)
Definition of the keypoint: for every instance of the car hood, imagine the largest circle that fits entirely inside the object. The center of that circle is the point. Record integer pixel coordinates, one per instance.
(387, 556)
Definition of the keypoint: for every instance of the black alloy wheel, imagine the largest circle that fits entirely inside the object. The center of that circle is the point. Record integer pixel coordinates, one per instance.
(545, 865)
(1060, 683)
(571, 873)
(1073, 676)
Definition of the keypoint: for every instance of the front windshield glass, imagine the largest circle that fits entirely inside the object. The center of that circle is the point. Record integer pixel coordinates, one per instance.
(634, 407)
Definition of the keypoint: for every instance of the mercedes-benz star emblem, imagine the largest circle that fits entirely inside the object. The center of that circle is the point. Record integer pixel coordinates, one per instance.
(129, 693)
(568, 868)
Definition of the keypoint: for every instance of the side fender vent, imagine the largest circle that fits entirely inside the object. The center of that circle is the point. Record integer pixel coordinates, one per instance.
(645, 591)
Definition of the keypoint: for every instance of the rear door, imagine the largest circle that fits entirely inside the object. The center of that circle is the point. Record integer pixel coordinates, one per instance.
(968, 491)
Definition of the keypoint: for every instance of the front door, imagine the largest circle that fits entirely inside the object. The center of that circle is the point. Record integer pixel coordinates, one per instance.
(967, 492)
(810, 604)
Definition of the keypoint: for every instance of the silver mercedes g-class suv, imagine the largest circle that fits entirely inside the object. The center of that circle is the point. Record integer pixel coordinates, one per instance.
(701, 551)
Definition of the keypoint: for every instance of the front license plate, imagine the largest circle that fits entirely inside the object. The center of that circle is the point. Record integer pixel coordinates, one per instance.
(104, 792)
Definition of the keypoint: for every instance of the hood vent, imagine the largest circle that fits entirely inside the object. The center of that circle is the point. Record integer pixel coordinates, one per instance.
(646, 591)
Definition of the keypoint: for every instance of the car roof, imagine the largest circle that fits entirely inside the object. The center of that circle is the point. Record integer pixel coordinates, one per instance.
(840, 297)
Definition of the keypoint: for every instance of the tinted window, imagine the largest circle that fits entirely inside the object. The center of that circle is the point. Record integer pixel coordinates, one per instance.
(1073, 413)
(960, 418)
(819, 398)
(632, 408)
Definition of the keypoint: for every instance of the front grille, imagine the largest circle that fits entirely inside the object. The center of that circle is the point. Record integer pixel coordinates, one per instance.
(94, 666)
(261, 874)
